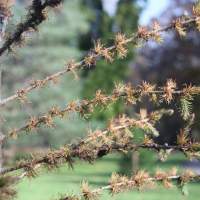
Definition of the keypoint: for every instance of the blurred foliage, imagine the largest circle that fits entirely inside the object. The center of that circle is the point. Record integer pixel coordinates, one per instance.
(176, 58)
(46, 52)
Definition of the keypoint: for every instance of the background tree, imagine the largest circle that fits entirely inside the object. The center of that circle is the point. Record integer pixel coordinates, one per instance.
(177, 58)
(47, 51)
(103, 26)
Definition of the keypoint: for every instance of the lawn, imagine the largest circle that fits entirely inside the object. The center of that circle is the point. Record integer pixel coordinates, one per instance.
(50, 185)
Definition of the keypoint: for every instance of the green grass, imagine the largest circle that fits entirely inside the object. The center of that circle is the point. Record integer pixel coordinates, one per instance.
(50, 185)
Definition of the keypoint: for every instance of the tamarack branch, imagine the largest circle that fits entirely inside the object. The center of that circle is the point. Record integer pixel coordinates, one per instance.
(127, 93)
(140, 180)
(100, 143)
(119, 47)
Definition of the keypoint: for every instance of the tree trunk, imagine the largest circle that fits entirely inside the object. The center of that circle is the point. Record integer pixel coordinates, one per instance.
(135, 161)
(1, 134)
(1, 157)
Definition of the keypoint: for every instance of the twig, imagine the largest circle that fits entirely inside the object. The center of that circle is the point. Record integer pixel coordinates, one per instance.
(94, 55)
(126, 92)
(140, 180)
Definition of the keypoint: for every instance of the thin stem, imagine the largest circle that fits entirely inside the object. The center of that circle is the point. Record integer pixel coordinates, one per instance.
(73, 150)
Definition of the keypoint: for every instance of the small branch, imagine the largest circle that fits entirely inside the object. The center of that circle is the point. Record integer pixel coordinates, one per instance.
(36, 15)
(126, 92)
(140, 180)
(87, 149)
(99, 51)
(115, 138)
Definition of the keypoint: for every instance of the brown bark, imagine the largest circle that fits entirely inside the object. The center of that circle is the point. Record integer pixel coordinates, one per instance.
(135, 161)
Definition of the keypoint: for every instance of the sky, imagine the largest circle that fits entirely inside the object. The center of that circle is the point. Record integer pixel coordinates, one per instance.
(110, 6)
(154, 8)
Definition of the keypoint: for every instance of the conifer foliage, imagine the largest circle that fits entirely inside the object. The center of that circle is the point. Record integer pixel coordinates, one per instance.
(118, 135)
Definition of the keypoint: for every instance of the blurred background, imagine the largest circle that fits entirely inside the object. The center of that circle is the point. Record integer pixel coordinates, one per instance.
(69, 33)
